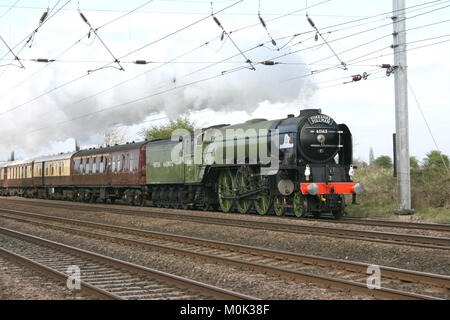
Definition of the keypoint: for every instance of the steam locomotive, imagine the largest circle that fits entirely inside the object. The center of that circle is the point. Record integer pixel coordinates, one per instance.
(300, 166)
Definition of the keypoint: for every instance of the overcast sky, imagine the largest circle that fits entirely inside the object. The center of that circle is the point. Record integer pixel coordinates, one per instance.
(198, 69)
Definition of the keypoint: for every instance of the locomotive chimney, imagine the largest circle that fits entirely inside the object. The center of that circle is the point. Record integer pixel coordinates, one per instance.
(309, 112)
(12, 157)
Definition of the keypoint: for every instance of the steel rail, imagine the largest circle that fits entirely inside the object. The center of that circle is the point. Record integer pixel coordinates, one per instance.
(439, 281)
(366, 235)
(427, 226)
(444, 227)
(84, 286)
(181, 283)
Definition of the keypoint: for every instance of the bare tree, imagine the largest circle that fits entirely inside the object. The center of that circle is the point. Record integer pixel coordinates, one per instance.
(115, 135)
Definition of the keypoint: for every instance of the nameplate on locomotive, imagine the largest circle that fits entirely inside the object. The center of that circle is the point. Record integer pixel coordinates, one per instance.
(320, 118)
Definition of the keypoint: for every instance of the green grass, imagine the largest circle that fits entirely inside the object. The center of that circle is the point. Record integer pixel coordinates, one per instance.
(430, 194)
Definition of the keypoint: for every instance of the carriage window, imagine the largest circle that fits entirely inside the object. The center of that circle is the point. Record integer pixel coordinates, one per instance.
(119, 164)
(60, 169)
(81, 167)
(26, 175)
(102, 165)
(94, 166)
(46, 170)
(52, 169)
(131, 163)
(113, 164)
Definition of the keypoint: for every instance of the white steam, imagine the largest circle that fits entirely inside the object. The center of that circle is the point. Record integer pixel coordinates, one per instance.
(61, 115)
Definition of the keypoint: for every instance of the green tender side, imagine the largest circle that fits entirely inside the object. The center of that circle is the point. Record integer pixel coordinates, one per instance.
(249, 137)
(159, 167)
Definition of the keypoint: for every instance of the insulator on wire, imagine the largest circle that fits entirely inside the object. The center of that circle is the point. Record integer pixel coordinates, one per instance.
(262, 21)
(217, 21)
(357, 77)
(274, 43)
(44, 15)
(223, 35)
(269, 63)
(44, 60)
(84, 18)
(316, 37)
(141, 62)
(385, 66)
(310, 21)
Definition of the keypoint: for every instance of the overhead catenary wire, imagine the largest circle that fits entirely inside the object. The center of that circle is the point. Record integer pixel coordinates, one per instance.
(377, 39)
(247, 60)
(84, 75)
(49, 16)
(16, 58)
(74, 80)
(135, 50)
(325, 41)
(170, 90)
(263, 23)
(9, 9)
(101, 41)
(428, 126)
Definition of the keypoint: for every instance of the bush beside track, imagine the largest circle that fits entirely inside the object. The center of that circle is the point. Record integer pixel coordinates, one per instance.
(430, 193)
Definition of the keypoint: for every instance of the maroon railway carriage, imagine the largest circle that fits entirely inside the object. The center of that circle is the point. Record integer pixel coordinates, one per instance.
(116, 172)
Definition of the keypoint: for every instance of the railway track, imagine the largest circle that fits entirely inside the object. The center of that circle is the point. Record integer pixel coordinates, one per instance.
(102, 276)
(426, 226)
(366, 235)
(345, 275)
(444, 227)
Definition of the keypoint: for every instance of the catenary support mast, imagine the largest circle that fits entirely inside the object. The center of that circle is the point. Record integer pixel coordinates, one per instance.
(401, 108)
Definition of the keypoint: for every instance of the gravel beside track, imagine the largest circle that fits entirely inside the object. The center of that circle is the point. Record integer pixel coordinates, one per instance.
(332, 272)
(426, 260)
(413, 227)
(244, 281)
(407, 239)
(18, 282)
(108, 277)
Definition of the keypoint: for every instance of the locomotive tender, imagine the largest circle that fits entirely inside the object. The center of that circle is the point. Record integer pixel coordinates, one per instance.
(298, 165)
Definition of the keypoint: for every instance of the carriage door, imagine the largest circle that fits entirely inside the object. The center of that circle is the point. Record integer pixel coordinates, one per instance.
(108, 171)
(43, 171)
